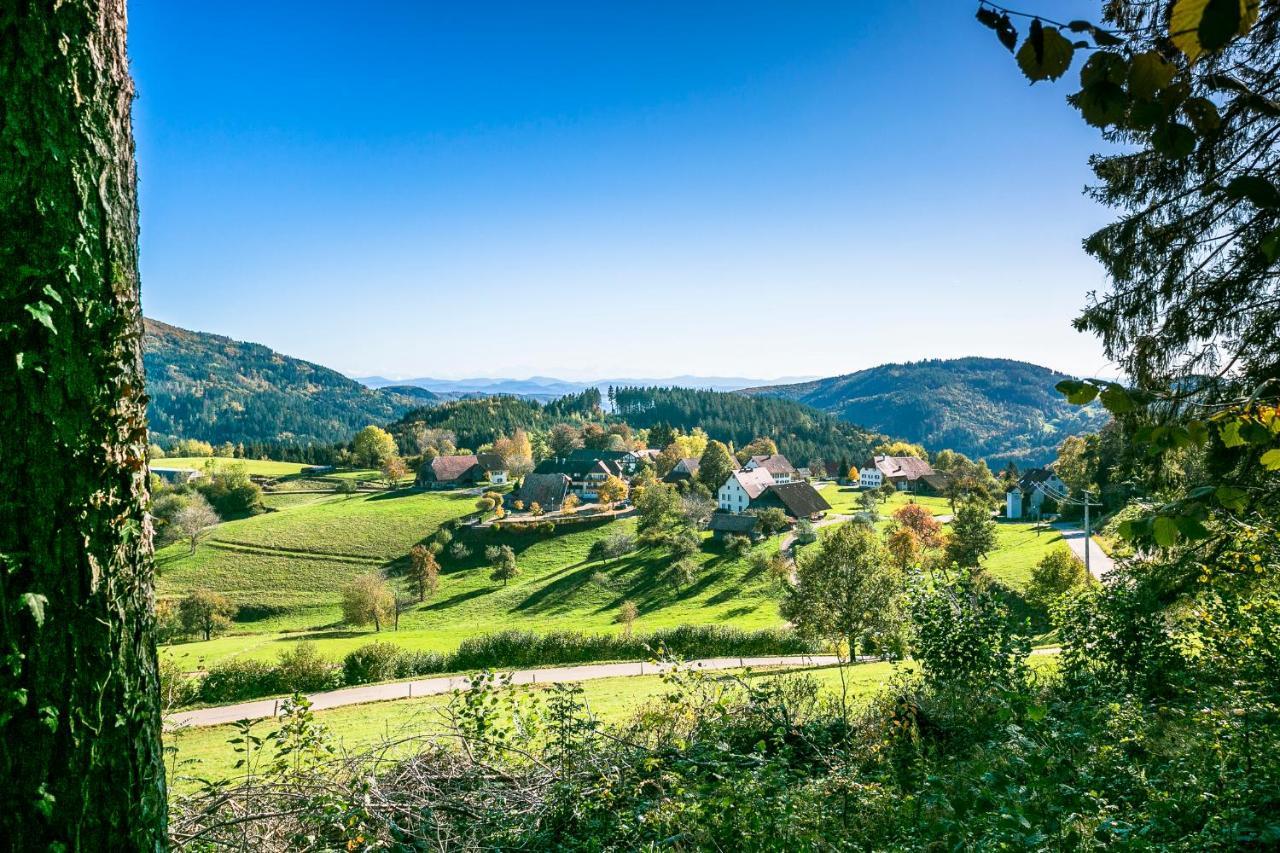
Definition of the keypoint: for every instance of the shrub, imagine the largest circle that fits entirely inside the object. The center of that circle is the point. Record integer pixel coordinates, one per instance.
(737, 546)
(346, 486)
(176, 687)
(302, 670)
(459, 551)
(1058, 572)
(612, 546)
(372, 662)
(238, 679)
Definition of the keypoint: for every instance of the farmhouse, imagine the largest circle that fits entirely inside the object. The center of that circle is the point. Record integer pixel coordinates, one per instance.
(546, 490)
(585, 475)
(776, 464)
(685, 469)
(626, 461)
(742, 488)
(495, 466)
(798, 500)
(446, 472)
(1027, 498)
(906, 473)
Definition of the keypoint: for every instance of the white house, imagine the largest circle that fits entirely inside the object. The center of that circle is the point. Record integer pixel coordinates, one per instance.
(1035, 487)
(742, 488)
(778, 466)
(907, 473)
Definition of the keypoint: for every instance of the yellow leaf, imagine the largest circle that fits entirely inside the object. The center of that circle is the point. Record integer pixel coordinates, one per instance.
(1202, 26)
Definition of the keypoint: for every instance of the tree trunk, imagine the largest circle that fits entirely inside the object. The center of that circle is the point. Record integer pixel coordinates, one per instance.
(80, 754)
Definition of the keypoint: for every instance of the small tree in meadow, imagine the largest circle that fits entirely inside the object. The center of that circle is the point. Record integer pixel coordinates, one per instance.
(424, 572)
(503, 561)
(204, 612)
(627, 615)
(393, 471)
(921, 523)
(903, 546)
(368, 600)
(570, 504)
(192, 520)
(737, 546)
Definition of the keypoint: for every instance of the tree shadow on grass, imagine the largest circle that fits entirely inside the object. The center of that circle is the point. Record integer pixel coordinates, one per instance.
(555, 596)
(453, 600)
(321, 635)
(738, 611)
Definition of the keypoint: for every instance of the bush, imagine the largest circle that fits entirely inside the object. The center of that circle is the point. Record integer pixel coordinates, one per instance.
(302, 670)
(176, 687)
(372, 662)
(346, 487)
(459, 551)
(737, 546)
(1059, 571)
(239, 679)
(611, 547)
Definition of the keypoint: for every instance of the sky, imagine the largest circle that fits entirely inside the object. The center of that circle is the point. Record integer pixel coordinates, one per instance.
(605, 189)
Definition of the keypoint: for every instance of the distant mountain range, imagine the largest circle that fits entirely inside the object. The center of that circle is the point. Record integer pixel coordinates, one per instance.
(218, 389)
(547, 387)
(986, 408)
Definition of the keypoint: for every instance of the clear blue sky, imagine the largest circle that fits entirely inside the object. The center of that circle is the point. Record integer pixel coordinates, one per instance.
(610, 188)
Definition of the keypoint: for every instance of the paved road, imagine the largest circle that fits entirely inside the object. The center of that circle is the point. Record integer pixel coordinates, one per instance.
(1099, 563)
(445, 684)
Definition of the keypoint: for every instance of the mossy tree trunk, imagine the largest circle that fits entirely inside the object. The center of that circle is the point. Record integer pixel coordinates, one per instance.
(80, 755)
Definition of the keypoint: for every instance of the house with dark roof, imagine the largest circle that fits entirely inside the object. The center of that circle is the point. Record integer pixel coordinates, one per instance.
(798, 500)
(546, 490)
(447, 472)
(723, 524)
(685, 469)
(625, 460)
(776, 464)
(585, 475)
(906, 473)
(494, 466)
(1035, 487)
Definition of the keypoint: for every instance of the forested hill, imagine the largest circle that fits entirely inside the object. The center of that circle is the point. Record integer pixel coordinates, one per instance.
(990, 408)
(801, 432)
(217, 389)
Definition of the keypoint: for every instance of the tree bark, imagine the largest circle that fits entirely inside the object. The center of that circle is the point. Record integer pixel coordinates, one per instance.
(80, 752)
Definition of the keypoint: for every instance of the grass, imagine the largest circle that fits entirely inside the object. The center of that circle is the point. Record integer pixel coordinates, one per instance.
(253, 467)
(204, 752)
(846, 500)
(294, 593)
(1018, 548)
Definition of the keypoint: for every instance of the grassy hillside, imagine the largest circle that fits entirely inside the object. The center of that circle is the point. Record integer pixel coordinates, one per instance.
(286, 571)
(218, 389)
(988, 408)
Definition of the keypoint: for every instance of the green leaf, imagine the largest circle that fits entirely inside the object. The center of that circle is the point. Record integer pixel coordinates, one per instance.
(1271, 459)
(1165, 530)
(1116, 399)
(35, 603)
(1191, 528)
(1199, 432)
(1270, 246)
(1257, 189)
(1102, 104)
(1077, 393)
(1104, 66)
(1149, 72)
(1232, 498)
(1144, 115)
(1230, 434)
(1045, 55)
(1174, 140)
(1203, 115)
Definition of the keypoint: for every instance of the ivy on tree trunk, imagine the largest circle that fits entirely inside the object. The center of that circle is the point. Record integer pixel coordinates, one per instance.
(80, 752)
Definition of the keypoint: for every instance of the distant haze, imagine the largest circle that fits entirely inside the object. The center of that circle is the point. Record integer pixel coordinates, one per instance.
(549, 386)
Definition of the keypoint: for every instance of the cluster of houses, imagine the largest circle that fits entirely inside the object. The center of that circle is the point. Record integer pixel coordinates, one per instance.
(905, 473)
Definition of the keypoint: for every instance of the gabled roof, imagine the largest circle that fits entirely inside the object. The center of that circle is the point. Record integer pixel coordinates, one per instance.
(774, 463)
(728, 522)
(753, 482)
(447, 468)
(939, 480)
(545, 489)
(902, 466)
(572, 467)
(1035, 475)
(491, 461)
(688, 465)
(607, 455)
(799, 499)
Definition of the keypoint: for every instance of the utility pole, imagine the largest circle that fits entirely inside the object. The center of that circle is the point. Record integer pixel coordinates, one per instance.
(1087, 534)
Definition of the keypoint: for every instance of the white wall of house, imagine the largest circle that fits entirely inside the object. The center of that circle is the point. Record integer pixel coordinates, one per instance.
(1013, 504)
(498, 478)
(870, 478)
(777, 478)
(732, 497)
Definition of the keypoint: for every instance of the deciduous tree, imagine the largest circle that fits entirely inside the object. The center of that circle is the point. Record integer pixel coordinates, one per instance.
(917, 519)
(973, 535)
(368, 600)
(205, 613)
(424, 572)
(504, 565)
(373, 446)
(193, 519)
(715, 466)
(612, 490)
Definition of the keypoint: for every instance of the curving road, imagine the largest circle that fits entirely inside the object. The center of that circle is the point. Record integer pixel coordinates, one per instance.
(1099, 563)
(447, 683)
